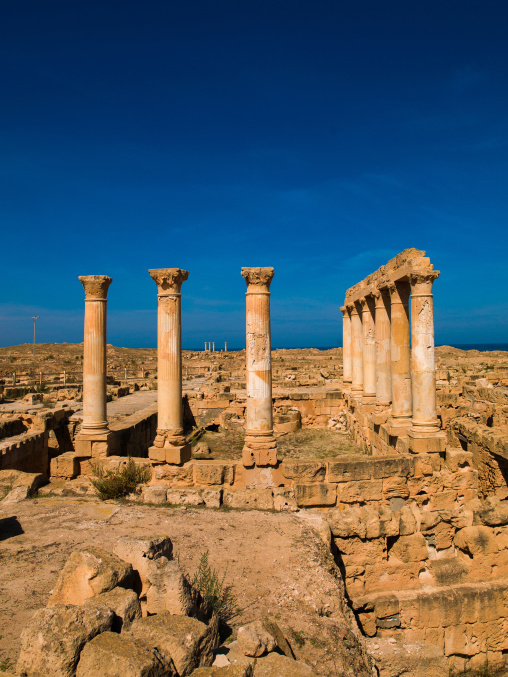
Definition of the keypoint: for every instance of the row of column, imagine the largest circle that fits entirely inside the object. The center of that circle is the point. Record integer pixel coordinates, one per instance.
(170, 445)
(383, 364)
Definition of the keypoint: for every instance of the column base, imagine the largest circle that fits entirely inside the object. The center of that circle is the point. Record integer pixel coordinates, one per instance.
(398, 427)
(171, 455)
(260, 449)
(422, 442)
(89, 445)
(380, 416)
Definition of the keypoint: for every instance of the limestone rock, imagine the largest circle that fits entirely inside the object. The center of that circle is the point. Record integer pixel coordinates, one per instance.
(493, 512)
(255, 640)
(171, 591)
(407, 659)
(155, 493)
(476, 540)
(275, 665)
(185, 641)
(227, 671)
(89, 572)
(123, 603)
(113, 655)
(16, 495)
(271, 626)
(139, 552)
(52, 640)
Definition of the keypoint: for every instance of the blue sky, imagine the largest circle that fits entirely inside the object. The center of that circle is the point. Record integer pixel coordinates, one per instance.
(318, 137)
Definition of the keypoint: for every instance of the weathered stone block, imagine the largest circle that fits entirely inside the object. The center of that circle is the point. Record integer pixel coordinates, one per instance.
(208, 473)
(89, 572)
(385, 467)
(52, 640)
(110, 655)
(476, 540)
(316, 494)
(395, 487)
(411, 548)
(304, 471)
(155, 493)
(350, 470)
(139, 552)
(123, 603)
(248, 499)
(182, 496)
(284, 499)
(346, 523)
(360, 492)
(65, 466)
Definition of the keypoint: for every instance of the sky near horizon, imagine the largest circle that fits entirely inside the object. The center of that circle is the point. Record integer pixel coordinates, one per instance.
(320, 138)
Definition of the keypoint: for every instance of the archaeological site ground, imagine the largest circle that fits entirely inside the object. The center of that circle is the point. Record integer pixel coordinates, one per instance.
(270, 513)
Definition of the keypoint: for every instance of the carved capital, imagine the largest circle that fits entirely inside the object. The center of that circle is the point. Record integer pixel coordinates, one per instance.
(169, 280)
(95, 286)
(422, 281)
(258, 279)
(345, 311)
(399, 292)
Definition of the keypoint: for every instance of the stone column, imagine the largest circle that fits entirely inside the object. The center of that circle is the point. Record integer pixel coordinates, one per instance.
(225, 346)
(400, 354)
(369, 351)
(423, 368)
(92, 439)
(383, 350)
(170, 445)
(260, 446)
(357, 350)
(213, 347)
(347, 376)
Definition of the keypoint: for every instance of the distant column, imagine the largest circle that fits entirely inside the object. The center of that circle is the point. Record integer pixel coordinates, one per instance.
(93, 437)
(369, 350)
(205, 346)
(225, 346)
(383, 350)
(400, 354)
(213, 347)
(357, 350)
(423, 367)
(260, 446)
(170, 445)
(346, 346)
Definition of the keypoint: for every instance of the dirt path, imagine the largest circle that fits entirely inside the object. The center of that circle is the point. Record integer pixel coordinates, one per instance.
(274, 562)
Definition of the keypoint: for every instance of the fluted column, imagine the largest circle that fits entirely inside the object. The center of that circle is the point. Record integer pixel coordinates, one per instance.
(260, 446)
(369, 350)
(383, 350)
(92, 438)
(400, 354)
(423, 367)
(346, 346)
(169, 445)
(357, 350)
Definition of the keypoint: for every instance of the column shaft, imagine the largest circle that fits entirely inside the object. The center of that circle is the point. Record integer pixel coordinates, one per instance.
(423, 368)
(346, 346)
(170, 444)
(260, 446)
(400, 354)
(383, 350)
(357, 350)
(369, 350)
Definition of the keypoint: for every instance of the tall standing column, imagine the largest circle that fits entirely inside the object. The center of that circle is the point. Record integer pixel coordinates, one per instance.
(423, 366)
(260, 446)
(357, 350)
(170, 445)
(92, 439)
(383, 350)
(346, 346)
(369, 350)
(400, 354)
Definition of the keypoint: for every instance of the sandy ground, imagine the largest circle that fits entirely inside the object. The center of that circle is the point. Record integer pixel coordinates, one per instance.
(274, 562)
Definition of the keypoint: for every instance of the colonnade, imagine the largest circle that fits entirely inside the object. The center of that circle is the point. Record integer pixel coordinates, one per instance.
(389, 352)
(170, 445)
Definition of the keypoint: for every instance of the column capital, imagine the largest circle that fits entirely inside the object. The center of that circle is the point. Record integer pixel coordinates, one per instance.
(345, 310)
(399, 292)
(168, 280)
(258, 279)
(421, 282)
(95, 286)
(380, 295)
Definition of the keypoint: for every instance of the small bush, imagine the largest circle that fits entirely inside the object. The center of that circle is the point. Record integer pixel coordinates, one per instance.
(117, 483)
(211, 586)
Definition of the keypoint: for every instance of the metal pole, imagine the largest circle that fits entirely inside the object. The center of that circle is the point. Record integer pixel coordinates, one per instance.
(35, 318)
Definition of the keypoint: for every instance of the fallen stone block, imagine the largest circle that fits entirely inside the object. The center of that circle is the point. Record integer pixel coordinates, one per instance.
(123, 603)
(185, 641)
(139, 552)
(52, 640)
(255, 640)
(113, 655)
(418, 659)
(171, 591)
(89, 572)
(275, 665)
(156, 494)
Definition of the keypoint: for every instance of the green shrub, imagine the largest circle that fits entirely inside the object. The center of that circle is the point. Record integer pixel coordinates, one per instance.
(117, 483)
(211, 586)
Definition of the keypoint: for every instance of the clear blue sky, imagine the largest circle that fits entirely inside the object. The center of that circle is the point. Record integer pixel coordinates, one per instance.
(319, 137)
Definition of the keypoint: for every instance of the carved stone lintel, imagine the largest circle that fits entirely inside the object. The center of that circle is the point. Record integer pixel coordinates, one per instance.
(258, 279)
(95, 286)
(169, 280)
